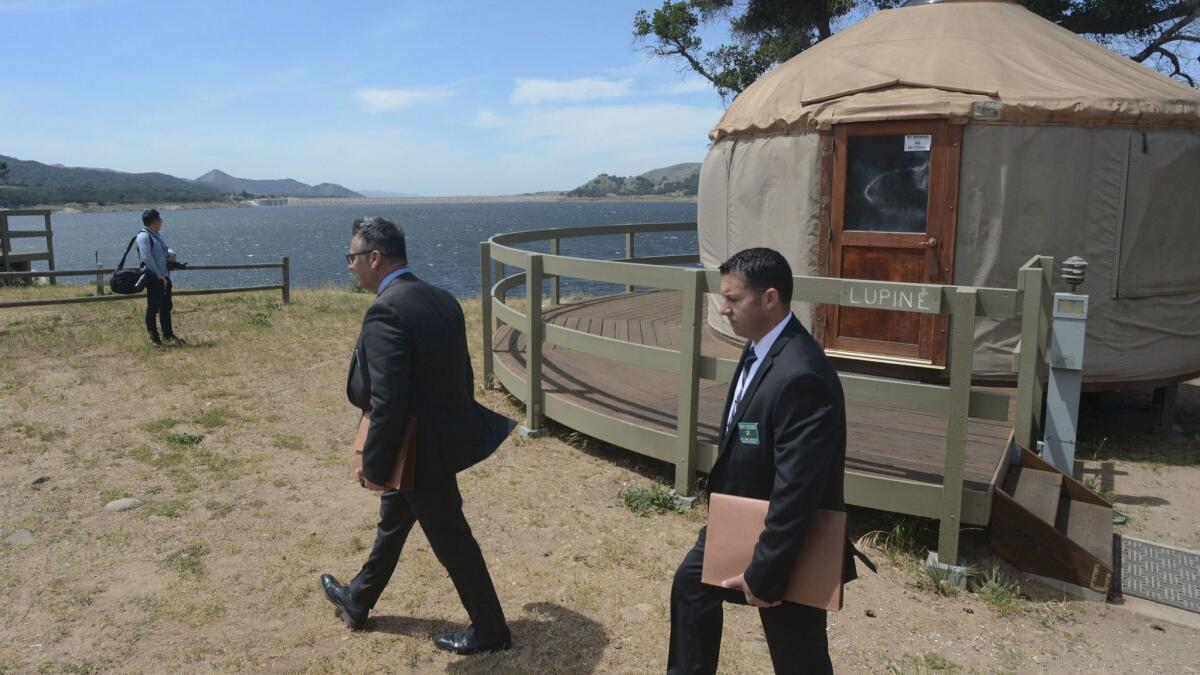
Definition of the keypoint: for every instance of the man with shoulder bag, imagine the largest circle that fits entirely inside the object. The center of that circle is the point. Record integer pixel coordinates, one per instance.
(157, 260)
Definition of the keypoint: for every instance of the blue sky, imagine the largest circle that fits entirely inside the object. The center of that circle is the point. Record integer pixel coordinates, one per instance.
(433, 98)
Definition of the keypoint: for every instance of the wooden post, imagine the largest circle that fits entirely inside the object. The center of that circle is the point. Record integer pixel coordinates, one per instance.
(962, 336)
(49, 247)
(485, 310)
(689, 384)
(286, 272)
(630, 251)
(533, 346)
(99, 280)
(554, 297)
(4, 245)
(1034, 282)
(498, 275)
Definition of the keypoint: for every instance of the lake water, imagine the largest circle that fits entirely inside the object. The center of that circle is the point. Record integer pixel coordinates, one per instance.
(442, 238)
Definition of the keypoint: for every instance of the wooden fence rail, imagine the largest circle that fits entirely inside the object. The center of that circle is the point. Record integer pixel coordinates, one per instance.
(100, 273)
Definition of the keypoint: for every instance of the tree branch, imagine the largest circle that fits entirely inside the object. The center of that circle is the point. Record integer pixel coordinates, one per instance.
(1100, 23)
(1175, 62)
(681, 50)
(1167, 35)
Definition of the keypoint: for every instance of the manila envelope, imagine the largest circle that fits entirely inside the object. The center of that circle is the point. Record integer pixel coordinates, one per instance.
(734, 524)
(404, 471)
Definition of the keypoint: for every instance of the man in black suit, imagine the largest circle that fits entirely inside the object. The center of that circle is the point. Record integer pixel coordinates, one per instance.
(783, 439)
(411, 361)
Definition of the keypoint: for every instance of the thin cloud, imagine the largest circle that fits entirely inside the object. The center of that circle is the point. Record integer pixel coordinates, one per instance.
(488, 119)
(377, 100)
(692, 85)
(534, 91)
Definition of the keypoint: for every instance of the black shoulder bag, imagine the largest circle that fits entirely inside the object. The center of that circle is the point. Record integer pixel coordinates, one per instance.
(128, 281)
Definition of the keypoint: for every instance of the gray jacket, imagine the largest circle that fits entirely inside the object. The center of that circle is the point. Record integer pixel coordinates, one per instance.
(154, 251)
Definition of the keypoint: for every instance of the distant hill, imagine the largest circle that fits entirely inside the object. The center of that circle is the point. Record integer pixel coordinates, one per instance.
(383, 194)
(677, 179)
(273, 188)
(31, 183)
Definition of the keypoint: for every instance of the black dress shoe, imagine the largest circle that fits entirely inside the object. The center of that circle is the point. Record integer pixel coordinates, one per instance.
(351, 614)
(471, 641)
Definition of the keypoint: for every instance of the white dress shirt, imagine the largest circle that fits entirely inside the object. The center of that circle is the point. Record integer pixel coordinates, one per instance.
(761, 349)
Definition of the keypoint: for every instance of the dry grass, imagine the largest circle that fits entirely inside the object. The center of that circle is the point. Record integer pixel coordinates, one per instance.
(237, 446)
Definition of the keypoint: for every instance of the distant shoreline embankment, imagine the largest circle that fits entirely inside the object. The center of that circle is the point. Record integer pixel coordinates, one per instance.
(356, 201)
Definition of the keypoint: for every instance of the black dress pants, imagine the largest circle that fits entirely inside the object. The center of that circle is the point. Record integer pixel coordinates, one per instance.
(438, 508)
(795, 633)
(158, 305)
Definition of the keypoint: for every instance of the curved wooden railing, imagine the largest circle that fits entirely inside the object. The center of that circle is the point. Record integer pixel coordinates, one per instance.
(957, 401)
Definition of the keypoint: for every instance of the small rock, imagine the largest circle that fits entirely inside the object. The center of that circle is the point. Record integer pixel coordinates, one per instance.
(636, 613)
(123, 504)
(20, 538)
(1158, 628)
(39, 480)
(758, 646)
(968, 610)
(871, 613)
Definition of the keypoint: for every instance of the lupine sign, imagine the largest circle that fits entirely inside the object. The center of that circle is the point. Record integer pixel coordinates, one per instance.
(907, 297)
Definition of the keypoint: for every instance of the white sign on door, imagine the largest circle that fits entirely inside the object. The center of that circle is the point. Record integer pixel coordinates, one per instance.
(918, 142)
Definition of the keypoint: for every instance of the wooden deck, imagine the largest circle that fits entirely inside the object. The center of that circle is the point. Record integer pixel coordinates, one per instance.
(881, 441)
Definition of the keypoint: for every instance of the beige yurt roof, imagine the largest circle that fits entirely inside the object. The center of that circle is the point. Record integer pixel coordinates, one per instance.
(963, 60)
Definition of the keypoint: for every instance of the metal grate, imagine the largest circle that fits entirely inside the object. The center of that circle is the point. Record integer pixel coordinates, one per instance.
(1166, 575)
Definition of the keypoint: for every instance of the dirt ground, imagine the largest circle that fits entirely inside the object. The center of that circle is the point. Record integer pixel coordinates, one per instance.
(237, 447)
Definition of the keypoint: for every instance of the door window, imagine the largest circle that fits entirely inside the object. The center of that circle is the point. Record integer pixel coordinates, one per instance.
(887, 183)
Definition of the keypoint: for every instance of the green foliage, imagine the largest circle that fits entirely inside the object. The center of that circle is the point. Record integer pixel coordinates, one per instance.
(902, 542)
(645, 501)
(187, 561)
(765, 33)
(995, 590)
(923, 664)
(184, 439)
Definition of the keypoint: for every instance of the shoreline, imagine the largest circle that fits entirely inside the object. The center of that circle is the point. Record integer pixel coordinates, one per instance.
(359, 201)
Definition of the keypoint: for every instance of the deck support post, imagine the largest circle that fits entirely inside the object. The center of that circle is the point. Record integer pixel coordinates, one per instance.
(689, 383)
(962, 335)
(533, 347)
(485, 311)
(1033, 281)
(554, 295)
(1164, 407)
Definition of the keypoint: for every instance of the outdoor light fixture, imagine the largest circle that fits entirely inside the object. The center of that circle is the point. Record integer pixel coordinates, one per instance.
(1073, 270)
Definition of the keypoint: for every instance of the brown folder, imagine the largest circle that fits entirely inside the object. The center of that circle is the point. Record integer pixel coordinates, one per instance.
(405, 469)
(734, 525)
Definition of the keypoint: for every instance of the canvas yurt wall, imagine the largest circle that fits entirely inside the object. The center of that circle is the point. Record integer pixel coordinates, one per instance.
(1066, 149)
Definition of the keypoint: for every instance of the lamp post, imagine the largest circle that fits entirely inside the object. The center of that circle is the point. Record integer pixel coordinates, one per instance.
(1068, 329)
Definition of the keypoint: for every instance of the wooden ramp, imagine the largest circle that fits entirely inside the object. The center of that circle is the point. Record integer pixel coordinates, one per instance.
(882, 442)
(1047, 523)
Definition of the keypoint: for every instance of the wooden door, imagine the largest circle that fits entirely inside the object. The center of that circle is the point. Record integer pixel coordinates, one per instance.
(892, 218)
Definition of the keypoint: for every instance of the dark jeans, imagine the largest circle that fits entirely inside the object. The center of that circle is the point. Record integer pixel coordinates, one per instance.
(158, 304)
(438, 508)
(795, 633)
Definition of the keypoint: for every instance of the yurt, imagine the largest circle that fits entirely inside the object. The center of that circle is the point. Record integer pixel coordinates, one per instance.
(948, 142)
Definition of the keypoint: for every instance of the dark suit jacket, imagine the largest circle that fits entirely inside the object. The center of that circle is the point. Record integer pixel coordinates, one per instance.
(412, 361)
(798, 463)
